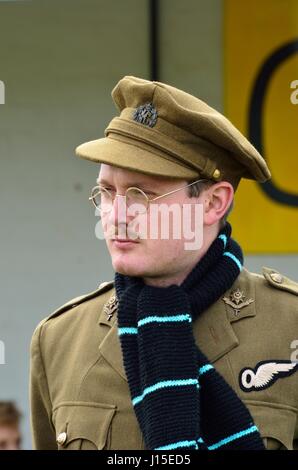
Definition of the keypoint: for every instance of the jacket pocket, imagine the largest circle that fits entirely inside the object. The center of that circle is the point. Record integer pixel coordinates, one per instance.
(83, 425)
(276, 425)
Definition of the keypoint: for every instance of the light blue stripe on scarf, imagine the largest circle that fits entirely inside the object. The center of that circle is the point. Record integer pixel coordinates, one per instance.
(163, 384)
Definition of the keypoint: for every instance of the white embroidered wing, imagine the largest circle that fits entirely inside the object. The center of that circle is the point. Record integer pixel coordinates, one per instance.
(266, 372)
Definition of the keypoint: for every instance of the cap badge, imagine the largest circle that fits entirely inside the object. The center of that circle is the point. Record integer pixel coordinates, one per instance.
(145, 114)
(236, 301)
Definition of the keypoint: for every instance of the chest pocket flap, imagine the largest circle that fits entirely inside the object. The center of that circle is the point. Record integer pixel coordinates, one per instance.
(83, 425)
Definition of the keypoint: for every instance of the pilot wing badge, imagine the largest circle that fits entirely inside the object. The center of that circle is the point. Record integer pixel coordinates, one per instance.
(265, 374)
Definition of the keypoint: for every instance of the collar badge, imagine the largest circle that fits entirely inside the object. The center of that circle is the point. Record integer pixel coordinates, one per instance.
(111, 306)
(236, 301)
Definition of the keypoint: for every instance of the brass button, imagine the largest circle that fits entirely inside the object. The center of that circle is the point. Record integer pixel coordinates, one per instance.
(216, 174)
(276, 277)
(61, 438)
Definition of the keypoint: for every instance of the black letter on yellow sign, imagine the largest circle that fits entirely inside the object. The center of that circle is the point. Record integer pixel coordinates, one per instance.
(256, 115)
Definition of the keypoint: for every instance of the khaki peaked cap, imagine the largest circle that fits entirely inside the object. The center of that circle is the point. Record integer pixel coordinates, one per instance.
(164, 131)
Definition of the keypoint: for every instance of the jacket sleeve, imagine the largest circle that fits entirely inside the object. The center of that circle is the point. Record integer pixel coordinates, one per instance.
(43, 432)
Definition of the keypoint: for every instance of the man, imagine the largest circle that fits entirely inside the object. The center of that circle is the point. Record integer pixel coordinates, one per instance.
(186, 349)
(10, 436)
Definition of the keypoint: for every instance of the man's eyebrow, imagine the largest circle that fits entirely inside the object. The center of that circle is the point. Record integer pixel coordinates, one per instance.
(101, 181)
(129, 185)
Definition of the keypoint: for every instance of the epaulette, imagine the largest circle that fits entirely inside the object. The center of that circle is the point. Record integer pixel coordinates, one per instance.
(102, 288)
(280, 281)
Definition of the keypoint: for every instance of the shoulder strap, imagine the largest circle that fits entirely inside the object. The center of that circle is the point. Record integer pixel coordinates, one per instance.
(278, 280)
(102, 288)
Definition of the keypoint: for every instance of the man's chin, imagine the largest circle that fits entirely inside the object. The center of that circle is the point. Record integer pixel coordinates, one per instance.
(126, 268)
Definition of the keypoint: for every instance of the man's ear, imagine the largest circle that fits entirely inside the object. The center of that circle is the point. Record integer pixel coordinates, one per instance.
(217, 199)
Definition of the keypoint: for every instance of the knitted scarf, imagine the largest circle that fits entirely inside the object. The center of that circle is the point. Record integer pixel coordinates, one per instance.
(181, 401)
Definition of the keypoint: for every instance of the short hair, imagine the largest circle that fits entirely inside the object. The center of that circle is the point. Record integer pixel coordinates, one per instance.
(196, 189)
(9, 413)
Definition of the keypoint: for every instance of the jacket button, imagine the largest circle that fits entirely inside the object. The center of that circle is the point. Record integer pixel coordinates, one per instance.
(61, 438)
(276, 277)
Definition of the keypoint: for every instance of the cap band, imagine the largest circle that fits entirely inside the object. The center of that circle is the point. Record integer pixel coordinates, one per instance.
(178, 152)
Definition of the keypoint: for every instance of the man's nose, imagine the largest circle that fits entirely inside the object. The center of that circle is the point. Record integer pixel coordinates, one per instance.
(118, 212)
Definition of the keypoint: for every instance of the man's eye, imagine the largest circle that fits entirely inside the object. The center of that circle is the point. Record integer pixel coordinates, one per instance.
(148, 192)
(106, 188)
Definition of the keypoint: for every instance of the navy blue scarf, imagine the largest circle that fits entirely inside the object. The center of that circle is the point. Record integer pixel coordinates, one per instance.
(180, 400)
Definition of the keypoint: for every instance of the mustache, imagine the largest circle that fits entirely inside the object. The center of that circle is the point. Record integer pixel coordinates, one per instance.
(120, 231)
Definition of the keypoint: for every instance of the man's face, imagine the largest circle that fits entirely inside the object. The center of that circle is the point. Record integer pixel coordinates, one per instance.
(146, 257)
(10, 438)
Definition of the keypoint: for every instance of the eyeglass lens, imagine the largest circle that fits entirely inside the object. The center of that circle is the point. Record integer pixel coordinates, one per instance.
(103, 199)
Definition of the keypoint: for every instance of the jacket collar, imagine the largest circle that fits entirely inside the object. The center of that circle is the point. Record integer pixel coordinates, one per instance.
(213, 330)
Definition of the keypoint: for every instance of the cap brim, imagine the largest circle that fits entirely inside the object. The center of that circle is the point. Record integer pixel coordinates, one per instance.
(131, 157)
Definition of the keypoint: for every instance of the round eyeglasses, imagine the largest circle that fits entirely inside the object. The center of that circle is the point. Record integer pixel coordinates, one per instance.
(103, 198)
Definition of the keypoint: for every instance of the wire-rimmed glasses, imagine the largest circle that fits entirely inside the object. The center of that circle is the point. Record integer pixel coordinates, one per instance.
(103, 198)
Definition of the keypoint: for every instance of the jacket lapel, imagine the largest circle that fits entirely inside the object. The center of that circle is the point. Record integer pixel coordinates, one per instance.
(110, 346)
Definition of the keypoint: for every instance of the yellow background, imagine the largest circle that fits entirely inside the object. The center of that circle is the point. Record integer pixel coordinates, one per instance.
(252, 32)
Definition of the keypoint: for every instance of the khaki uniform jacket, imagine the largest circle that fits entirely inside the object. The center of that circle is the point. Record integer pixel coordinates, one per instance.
(79, 393)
